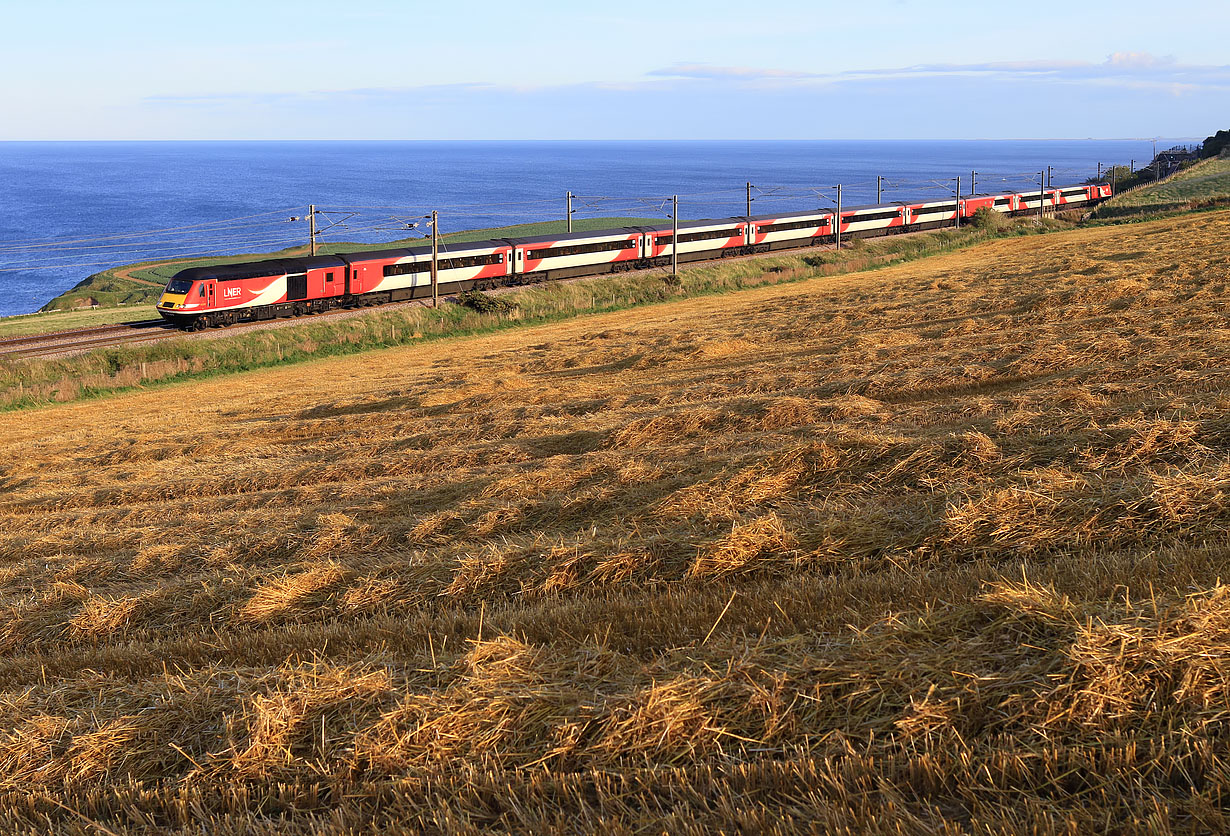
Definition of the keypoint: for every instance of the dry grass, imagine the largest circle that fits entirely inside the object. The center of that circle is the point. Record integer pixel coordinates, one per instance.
(939, 548)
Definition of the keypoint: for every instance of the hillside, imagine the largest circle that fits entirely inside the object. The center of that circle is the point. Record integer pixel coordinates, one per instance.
(1206, 183)
(935, 546)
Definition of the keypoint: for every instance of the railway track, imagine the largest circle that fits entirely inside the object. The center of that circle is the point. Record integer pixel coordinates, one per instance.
(76, 341)
(81, 340)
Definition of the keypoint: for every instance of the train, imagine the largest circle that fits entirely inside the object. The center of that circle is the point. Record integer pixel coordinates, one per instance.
(226, 294)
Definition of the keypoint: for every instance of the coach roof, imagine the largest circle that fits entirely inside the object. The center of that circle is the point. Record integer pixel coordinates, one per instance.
(595, 235)
(254, 269)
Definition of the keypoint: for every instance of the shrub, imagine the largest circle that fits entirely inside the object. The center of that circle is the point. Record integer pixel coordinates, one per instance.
(1215, 144)
(989, 220)
(483, 303)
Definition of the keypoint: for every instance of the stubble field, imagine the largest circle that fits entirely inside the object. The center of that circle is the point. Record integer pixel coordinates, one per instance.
(937, 548)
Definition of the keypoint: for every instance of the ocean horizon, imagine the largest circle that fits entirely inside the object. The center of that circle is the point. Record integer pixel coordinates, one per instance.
(77, 208)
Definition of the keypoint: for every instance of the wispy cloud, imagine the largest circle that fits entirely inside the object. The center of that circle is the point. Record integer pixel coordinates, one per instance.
(1128, 69)
(357, 93)
(710, 71)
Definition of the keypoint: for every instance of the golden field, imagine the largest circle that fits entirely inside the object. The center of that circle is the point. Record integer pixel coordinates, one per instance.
(934, 548)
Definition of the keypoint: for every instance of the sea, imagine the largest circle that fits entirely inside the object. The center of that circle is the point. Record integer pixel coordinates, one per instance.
(71, 209)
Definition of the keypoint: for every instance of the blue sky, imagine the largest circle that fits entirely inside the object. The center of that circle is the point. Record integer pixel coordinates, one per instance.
(641, 70)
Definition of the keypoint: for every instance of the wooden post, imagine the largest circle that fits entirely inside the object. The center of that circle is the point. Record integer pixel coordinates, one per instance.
(435, 259)
(973, 181)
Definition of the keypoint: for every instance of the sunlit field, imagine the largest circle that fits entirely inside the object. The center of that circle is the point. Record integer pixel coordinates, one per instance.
(933, 548)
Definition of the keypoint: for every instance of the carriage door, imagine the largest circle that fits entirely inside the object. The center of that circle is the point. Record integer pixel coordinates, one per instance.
(209, 295)
(296, 287)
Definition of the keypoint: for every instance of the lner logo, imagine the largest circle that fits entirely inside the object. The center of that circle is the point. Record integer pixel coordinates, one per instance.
(231, 292)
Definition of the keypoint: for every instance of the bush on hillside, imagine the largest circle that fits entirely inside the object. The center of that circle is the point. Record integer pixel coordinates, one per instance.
(481, 302)
(1217, 144)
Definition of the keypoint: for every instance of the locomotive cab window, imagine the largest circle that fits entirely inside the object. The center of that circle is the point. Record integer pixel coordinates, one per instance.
(179, 286)
(202, 293)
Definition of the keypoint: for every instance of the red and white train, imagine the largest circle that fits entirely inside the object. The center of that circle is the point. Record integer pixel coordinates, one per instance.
(201, 297)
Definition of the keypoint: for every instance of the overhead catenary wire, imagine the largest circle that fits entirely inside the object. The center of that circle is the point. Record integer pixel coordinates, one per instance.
(127, 256)
(256, 245)
(128, 244)
(202, 227)
(121, 263)
(606, 204)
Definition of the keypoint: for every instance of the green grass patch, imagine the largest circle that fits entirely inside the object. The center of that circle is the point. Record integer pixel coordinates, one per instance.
(1204, 184)
(47, 322)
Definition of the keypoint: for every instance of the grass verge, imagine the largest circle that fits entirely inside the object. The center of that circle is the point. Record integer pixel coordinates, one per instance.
(65, 320)
(1204, 185)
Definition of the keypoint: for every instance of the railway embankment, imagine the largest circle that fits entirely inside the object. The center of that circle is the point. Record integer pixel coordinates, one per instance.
(1204, 185)
(30, 382)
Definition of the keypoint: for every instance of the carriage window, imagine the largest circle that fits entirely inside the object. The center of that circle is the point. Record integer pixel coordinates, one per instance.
(707, 235)
(408, 267)
(812, 223)
(872, 216)
(553, 251)
(328, 277)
